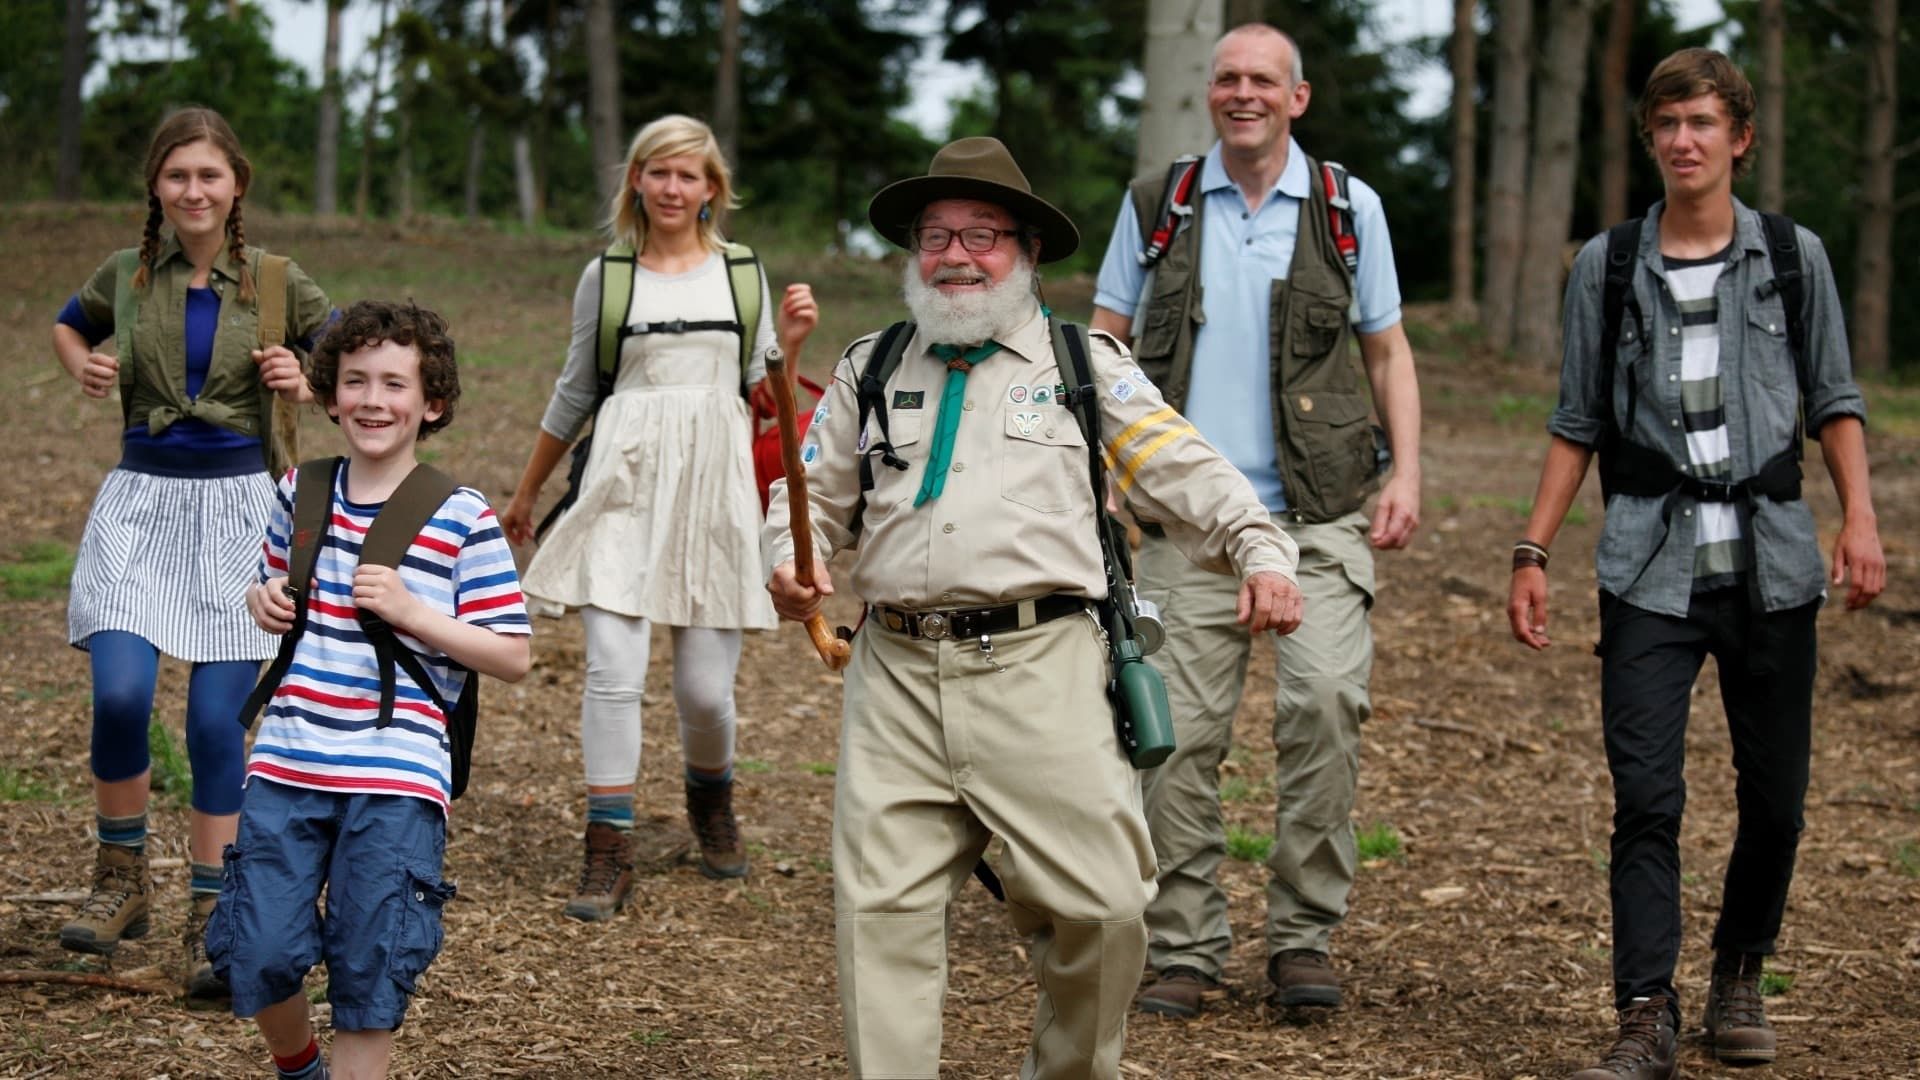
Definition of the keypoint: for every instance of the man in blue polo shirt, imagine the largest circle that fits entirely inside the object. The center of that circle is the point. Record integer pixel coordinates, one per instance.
(1244, 322)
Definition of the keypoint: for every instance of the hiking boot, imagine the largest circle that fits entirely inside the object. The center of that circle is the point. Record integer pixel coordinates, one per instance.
(1736, 1020)
(117, 910)
(1644, 1049)
(606, 878)
(1303, 977)
(203, 986)
(1180, 991)
(710, 812)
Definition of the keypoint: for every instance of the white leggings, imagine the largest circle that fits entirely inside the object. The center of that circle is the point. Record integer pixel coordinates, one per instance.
(704, 662)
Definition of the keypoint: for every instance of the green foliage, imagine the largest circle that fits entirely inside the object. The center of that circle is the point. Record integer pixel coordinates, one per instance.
(39, 570)
(650, 1038)
(1773, 983)
(1379, 841)
(20, 785)
(821, 768)
(752, 765)
(1906, 858)
(1248, 846)
(1531, 409)
(172, 777)
(1236, 789)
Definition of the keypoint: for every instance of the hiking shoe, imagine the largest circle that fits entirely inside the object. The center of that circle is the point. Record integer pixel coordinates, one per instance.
(1303, 977)
(1180, 991)
(118, 908)
(1644, 1049)
(710, 812)
(606, 878)
(1736, 1020)
(203, 986)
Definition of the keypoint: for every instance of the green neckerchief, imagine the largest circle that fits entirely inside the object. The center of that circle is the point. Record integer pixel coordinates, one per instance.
(934, 481)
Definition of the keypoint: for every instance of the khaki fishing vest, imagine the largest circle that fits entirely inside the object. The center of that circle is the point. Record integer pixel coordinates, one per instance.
(1321, 405)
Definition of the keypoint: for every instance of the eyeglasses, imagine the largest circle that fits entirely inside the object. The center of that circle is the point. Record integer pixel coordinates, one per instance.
(932, 241)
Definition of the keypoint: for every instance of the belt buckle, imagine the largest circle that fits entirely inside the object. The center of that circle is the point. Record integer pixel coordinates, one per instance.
(934, 626)
(1719, 491)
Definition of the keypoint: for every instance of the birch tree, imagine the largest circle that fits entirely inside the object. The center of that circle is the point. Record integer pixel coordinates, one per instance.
(1178, 62)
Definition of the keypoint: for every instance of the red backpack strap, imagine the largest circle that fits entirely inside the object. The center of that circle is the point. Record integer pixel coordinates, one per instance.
(1333, 178)
(1176, 205)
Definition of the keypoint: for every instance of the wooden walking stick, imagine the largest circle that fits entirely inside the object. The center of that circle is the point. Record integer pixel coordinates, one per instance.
(833, 651)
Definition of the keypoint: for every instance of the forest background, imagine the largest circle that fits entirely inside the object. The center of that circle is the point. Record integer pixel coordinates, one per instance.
(516, 112)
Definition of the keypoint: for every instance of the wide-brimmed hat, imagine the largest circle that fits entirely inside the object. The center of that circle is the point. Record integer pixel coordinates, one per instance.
(975, 168)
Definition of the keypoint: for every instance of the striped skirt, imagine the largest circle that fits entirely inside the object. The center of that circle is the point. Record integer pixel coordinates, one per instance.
(170, 559)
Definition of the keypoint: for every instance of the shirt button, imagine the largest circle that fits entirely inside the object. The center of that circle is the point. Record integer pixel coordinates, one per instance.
(1770, 328)
(1673, 423)
(959, 466)
(420, 896)
(948, 527)
(946, 596)
(1049, 433)
(1686, 513)
(1673, 330)
(1244, 215)
(968, 406)
(1249, 239)
(1673, 378)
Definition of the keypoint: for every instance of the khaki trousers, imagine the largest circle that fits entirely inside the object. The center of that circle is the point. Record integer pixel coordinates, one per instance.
(941, 749)
(1321, 702)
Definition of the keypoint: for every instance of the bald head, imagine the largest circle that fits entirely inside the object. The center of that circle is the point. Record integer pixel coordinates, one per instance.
(1260, 36)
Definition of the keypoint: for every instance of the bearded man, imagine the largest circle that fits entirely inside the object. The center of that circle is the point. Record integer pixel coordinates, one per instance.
(975, 700)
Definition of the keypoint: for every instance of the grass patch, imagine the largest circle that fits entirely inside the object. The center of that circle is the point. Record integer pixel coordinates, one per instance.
(1248, 846)
(1236, 789)
(1513, 408)
(1906, 858)
(172, 776)
(752, 765)
(1893, 409)
(1379, 841)
(821, 768)
(820, 864)
(1521, 506)
(18, 785)
(1599, 858)
(38, 571)
(651, 1038)
(1773, 984)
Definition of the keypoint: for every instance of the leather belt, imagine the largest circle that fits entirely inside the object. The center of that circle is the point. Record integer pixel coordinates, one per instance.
(976, 622)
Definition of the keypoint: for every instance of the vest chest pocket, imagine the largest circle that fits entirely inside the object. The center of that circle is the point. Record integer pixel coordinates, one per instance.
(1043, 459)
(1317, 327)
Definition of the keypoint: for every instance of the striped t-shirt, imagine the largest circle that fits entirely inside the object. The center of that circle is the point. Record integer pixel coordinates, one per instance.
(319, 730)
(1719, 552)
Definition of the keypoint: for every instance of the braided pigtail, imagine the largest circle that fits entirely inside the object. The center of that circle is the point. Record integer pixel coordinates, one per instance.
(150, 244)
(237, 247)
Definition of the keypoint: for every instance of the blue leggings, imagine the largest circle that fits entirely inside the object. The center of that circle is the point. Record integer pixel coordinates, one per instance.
(125, 667)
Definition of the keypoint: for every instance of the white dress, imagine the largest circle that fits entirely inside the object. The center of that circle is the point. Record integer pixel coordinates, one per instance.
(666, 526)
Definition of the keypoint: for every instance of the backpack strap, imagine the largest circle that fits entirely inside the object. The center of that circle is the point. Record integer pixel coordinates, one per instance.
(1616, 300)
(1172, 199)
(392, 533)
(616, 299)
(279, 418)
(313, 486)
(126, 311)
(882, 362)
(1334, 178)
(743, 278)
(1783, 247)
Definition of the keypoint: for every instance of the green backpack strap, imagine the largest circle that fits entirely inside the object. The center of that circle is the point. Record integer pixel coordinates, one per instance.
(743, 278)
(126, 310)
(616, 299)
(312, 504)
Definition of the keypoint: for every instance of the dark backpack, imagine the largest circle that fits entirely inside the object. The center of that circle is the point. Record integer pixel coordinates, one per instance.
(399, 523)
(1626, 466)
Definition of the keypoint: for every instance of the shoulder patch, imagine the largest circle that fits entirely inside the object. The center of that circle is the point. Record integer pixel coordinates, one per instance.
(1122, 390)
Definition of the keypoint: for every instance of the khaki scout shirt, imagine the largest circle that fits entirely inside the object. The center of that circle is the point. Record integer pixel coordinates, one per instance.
(231, 394)
(1016, 518)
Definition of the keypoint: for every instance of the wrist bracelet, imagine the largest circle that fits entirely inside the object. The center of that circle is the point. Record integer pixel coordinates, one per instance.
(1528, 553)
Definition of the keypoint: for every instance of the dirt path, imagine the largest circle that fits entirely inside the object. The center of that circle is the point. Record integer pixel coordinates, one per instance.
(1479, 950)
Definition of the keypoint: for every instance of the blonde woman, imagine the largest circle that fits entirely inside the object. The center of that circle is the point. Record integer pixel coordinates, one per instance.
(661, 525)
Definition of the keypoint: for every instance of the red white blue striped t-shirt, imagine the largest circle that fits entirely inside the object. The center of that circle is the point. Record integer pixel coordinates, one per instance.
(319, 729)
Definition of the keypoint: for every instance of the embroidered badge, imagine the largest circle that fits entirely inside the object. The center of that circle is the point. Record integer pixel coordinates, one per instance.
(909, 399)
(1026, 422)
(1042, 395)
(820, 414)
(1122, 390)
(1140, 377)
(862, 444)
(809, 453)
(1017, 393)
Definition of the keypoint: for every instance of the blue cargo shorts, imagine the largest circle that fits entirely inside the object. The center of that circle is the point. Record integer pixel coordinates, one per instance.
(378, 857)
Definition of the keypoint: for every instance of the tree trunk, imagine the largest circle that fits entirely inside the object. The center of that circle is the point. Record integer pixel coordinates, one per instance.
(1556, 154)
(1616, 142)
(524, 185)
(1773, 108)
(603, 98)
(1466, 40)
(404, 101)
(326, 151)
(1242, 12)
(476, 160)
(1507, 170)
(73, 68)
(364, 187)
(1173, 107)
(726, 83)
(1873, 261)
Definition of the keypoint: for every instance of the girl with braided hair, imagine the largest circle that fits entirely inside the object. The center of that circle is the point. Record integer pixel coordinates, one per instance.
(174, 533)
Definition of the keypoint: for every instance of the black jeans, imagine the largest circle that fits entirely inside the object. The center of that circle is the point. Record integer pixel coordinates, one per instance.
(1648, 666)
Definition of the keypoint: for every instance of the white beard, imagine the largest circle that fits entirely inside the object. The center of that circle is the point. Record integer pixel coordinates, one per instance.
(971, 318)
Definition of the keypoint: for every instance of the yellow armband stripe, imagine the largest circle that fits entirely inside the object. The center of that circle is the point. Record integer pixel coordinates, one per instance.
(1141, 456)
(1134, 429)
